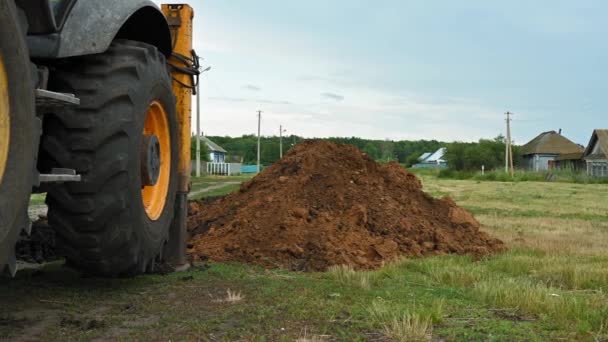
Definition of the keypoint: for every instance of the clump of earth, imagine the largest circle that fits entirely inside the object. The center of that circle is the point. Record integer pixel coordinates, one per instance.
(328, 204)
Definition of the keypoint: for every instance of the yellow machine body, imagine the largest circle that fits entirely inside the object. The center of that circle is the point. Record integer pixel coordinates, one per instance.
(180, 21)
(179, 18)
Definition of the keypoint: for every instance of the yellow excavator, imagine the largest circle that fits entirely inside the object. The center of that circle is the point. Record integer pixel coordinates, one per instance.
(95, 103)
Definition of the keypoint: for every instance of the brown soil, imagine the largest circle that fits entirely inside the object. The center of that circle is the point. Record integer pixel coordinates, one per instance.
(329, 204)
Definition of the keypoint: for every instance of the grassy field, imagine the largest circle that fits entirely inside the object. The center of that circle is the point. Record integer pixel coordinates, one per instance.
(519, 175)
(550, 285)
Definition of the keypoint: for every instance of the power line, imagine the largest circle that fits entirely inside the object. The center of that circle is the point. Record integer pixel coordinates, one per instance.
(198, 125)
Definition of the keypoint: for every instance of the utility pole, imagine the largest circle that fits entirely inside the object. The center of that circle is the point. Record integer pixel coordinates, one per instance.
(281, 131)
(509, 148)
(259, 136)
(198, 125)
(511, 155)
(198, 129)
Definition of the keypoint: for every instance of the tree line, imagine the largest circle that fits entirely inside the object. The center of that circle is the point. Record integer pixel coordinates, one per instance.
(487, 152)
(244, 148)
(460, 155)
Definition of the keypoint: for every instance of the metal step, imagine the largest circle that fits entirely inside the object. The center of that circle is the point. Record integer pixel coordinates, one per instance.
(50, 99)
(60, 176)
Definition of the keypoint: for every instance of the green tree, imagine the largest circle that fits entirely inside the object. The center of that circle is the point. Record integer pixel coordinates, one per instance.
(387, 150)
(204, 152)
(245, 147)
(486, 152)
(372, 150)
(412, 159)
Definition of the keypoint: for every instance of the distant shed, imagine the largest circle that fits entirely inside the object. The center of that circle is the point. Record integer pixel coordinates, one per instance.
(424, 156)
(596, 154)
(550, 149)
(432, 160)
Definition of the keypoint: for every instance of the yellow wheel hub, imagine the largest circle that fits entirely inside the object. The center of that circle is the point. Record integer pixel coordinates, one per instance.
(154, 197)
(5, 123)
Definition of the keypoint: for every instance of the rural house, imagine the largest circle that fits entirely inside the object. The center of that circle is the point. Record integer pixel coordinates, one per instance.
(216, 153)
(432, 160)
(571, 161)
(219, 163)
(551, 150)
(596, 154)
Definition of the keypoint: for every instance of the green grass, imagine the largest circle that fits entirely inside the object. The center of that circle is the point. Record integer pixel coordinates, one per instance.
(217, 179)
(37, 199)
(550, 285)
(567, 176)
(220, 191)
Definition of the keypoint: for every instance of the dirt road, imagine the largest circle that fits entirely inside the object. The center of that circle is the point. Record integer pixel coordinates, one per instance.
(216, 186)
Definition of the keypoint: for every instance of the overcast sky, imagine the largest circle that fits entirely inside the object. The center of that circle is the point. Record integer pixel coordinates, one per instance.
(398, 69)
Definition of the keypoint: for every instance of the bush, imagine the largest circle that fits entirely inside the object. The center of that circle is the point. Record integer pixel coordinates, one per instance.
(204, 151)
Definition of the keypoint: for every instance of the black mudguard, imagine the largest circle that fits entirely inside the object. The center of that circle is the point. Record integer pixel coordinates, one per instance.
(92, 25)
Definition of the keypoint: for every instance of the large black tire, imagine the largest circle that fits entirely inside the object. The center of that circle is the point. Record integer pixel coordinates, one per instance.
(101, 223)
(17, 153)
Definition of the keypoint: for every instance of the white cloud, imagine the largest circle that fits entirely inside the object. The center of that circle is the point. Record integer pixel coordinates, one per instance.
(364, 112)
(273, 62)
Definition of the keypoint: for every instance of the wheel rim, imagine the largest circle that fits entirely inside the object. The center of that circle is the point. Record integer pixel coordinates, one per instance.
(4, 119)
(154, 197)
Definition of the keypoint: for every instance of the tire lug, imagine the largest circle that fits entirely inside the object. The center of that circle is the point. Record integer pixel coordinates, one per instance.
(12, 264)
(28, 226)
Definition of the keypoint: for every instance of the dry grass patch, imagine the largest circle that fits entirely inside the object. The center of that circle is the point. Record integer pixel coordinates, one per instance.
(574, 276)
(539, 299)
(409, 328)
(551, 235)
(569, 272)
(305, 336)
(231, 297)
(452, 271)
(415, 324)
(557, 268)
(347, 275)
(551, 199)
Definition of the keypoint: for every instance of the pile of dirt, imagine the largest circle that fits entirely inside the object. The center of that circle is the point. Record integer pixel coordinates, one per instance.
(329, 204)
